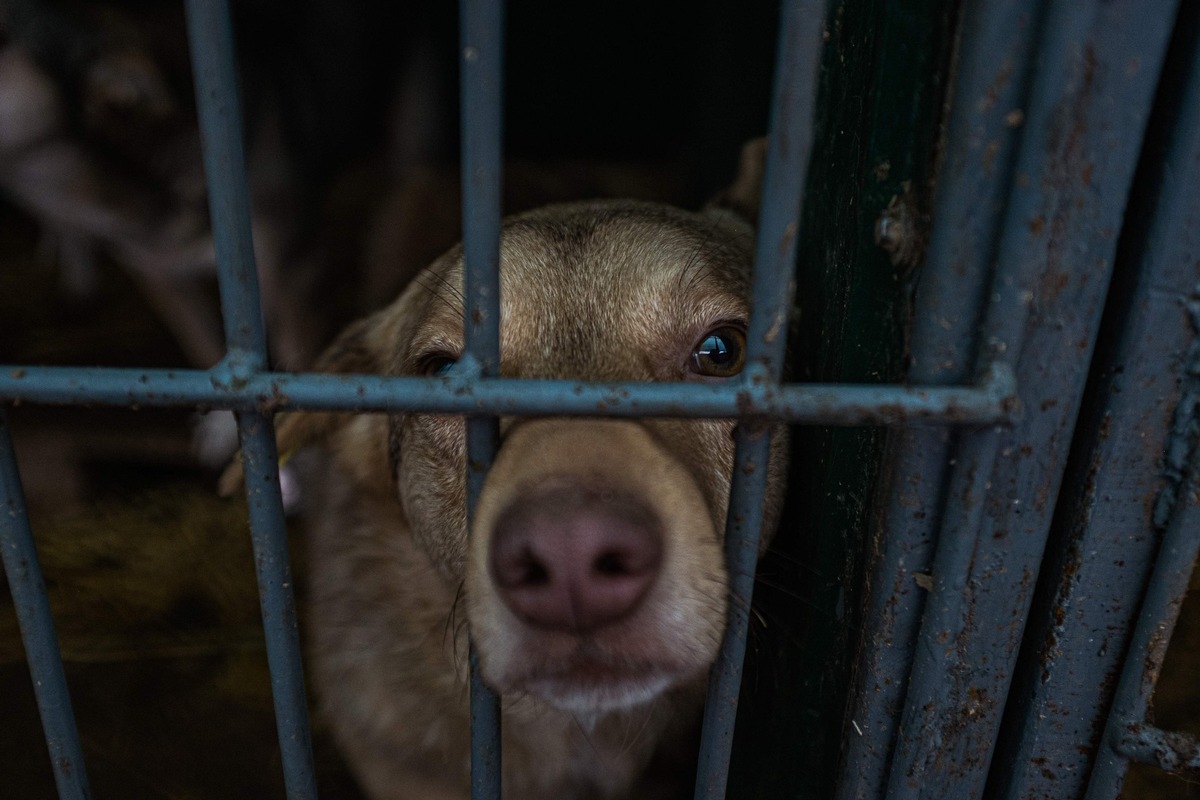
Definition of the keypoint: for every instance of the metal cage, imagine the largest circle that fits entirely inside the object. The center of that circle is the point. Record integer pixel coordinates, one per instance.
(977, 668)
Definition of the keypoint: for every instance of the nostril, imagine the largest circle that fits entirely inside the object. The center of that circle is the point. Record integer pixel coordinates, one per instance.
(611, 564)
(531, 571)
(520, 566)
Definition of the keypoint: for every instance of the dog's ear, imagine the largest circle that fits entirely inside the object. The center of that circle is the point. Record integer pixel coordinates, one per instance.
(742, 197)
(362, 348)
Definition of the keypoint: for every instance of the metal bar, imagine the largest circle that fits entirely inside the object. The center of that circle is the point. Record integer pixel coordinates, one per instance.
(482, 81)
(1170, 751)
(992, 81)
(992, 401)
(1106, 536)
(210, 36)
(218, 103)
(790, 137)
(260, 461)
(1098, 64)
(37, 627)
(1156, 619)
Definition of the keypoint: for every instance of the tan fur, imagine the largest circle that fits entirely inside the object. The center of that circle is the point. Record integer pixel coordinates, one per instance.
(596, 291)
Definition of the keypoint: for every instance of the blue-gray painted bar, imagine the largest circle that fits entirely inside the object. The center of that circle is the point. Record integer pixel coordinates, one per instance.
(260, 461)
(481, 66)
(1170, 751)
(993, 401)
(1173, 239)
(218, 101)
(991, 82)
(24, 575)
(1098, 63)
(1107, 533)
(790, 137)
(1168, 584)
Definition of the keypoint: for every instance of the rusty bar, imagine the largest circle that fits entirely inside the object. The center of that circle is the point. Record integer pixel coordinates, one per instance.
(1171, 242)
(1170, 751)
(24, 575)
(1098, 64)
(991, 401)
(995, 63)
(482, 82)
(793, 106)
(1106, 534)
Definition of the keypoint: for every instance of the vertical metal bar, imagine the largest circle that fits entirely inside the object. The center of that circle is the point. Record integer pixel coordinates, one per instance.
(37, 627)
(210, 36)
(992, 79)
(218, 102)
(260, 460)
(1160, 609)
(482, 82)
(1098, 65)
(1172, 242)
(789, 147)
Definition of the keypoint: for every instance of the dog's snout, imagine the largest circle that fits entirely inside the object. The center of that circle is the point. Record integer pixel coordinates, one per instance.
(574, 559)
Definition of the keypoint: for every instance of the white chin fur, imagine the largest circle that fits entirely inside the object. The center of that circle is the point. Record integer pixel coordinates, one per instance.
(574, 698)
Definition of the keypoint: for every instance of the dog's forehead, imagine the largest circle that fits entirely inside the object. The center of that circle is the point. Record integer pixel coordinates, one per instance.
(621, 246)
(582, 284)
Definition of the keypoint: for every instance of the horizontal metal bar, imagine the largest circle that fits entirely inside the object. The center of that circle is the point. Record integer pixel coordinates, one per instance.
(992, 401)
(37, 627)
(1170, 751)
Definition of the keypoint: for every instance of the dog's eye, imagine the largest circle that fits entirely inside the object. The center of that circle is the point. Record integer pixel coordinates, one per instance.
(721, 353)
(435, 365)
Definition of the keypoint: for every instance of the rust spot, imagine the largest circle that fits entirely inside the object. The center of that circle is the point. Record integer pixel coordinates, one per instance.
(17, 373)
(785, 241)
(1037, 225)
(989, 157)
(992, 93)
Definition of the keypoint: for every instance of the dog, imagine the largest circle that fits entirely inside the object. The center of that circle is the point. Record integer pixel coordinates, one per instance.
(592, 582)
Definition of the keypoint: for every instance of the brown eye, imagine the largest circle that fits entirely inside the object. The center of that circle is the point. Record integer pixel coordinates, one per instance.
(435, 365)
(720, 354)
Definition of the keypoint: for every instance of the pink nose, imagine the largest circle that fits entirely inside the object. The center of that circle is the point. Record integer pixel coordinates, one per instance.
(574, 559)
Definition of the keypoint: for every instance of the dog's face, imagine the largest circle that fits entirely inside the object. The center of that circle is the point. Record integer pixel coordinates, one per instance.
(593, 575)
(594, 572)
